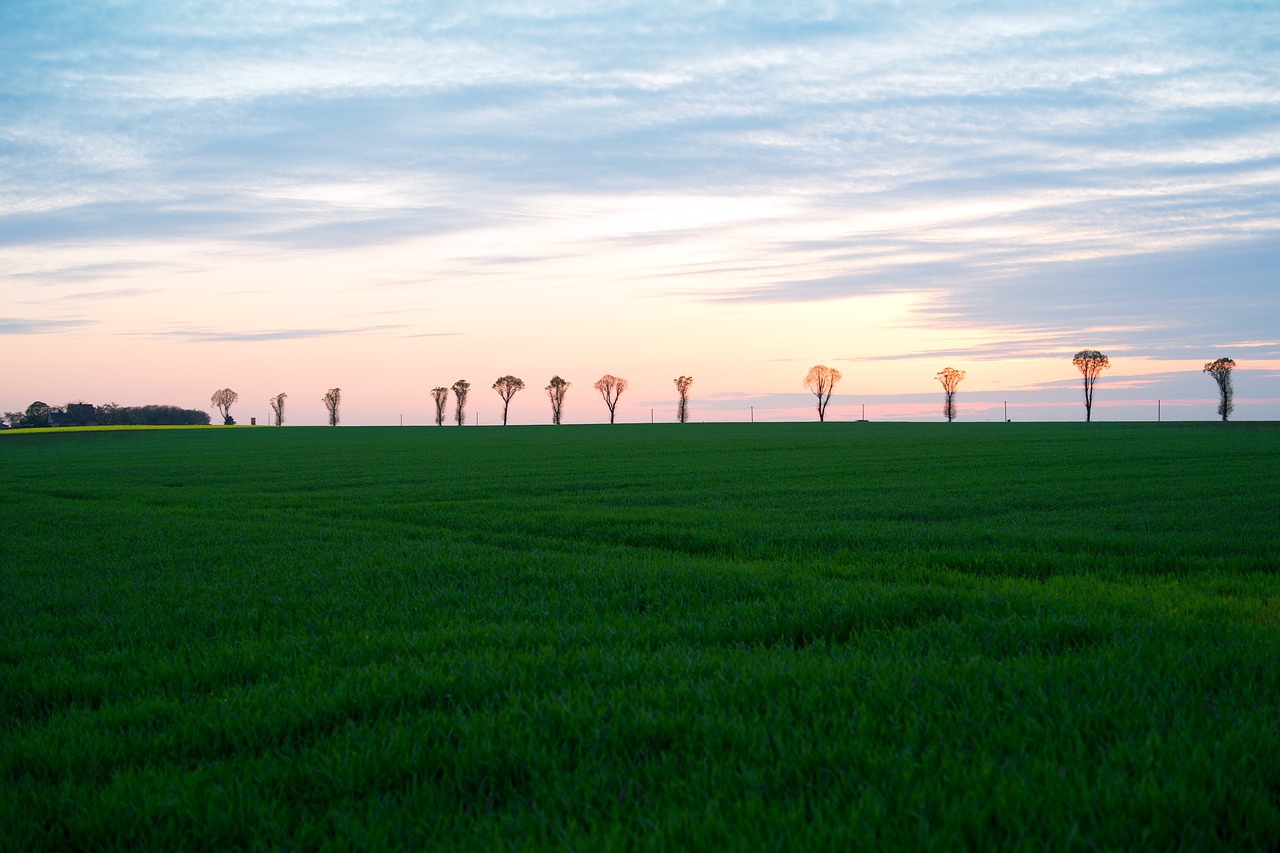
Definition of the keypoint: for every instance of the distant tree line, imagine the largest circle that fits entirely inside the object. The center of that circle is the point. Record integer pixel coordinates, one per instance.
(820, 381)
(79, 414)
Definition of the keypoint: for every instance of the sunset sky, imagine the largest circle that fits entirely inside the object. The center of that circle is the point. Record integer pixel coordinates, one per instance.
(390, 196)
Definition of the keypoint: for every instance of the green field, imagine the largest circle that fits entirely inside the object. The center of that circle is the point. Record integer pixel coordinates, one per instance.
(765, 636)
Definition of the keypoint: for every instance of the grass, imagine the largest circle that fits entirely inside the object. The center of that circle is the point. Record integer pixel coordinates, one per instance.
(635, 637)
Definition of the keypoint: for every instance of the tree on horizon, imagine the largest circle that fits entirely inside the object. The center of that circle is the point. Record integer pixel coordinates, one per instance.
(682, 407)
(460, 389)
(1220, 369)
(555, 393)
(950, 378)
(224, 399)
(507, 387)
(1090, 363)
(332, 400)
(821, 381)
(441, 398)
(277, 408)
(610, 388)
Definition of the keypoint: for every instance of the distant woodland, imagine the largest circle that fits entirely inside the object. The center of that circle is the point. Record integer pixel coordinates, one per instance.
(40, 414)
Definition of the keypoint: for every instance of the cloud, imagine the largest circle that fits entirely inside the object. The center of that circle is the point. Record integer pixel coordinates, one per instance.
(211, 336)
(20, 326)
(83, 272)
(118, 293)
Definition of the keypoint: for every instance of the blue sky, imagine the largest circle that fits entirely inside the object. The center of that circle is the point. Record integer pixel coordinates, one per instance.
(390, 196)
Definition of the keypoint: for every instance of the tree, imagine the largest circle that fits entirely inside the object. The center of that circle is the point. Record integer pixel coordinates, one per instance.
(277, 408)
(507, 386)
(441, 396)
(555, 393)
(223, 400)
(36, 415)
(162, 415)
(610, 388)
(332, 399)
(1220, 369)
(682, 388)
(821, 381)
(460, 389)
(950, 378)
(1090, 363)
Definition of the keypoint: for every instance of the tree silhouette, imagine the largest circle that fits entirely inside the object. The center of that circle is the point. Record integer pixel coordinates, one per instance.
(1090, 363)
(950, 378)
(223, 400)
(1220, 369)
(507, 386)
(277, 408)
(821, 381)
(36, 415)
(682, 388)
(610, 388)
(332, 399)
(555, 393)
(441, 397)
(460, 389)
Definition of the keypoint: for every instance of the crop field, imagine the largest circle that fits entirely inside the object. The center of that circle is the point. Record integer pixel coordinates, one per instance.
(769, 636)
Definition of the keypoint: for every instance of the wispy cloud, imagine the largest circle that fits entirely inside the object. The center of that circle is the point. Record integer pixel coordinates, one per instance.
(118, 293)
(212, 336)
(12, 326)
(81, 272)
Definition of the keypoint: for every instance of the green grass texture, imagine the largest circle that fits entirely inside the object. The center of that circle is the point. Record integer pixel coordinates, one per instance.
(703, 636)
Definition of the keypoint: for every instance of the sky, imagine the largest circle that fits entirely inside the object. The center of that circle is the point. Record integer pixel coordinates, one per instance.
(390, 196)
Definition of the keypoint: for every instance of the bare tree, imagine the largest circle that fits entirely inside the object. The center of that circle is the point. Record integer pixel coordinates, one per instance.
(682, 388)
(950, 378)
(1090, 363)
(555, 393)
(223, 400)
(610, 388)
(507, 386)
(460, 389)
(821, 381)
(441, 397)
(332, 399)
(277, 408)
(1220, 369)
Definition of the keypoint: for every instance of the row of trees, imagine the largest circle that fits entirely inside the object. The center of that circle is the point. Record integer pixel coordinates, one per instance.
(225, 398)
(821, 382)
(1091, 363)
(609, 386)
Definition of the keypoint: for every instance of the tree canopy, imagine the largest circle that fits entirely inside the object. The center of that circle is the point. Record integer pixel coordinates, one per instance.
(507, 387)
(1220, 369)
(821, 381)
(223, 400)
(1090, 363)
